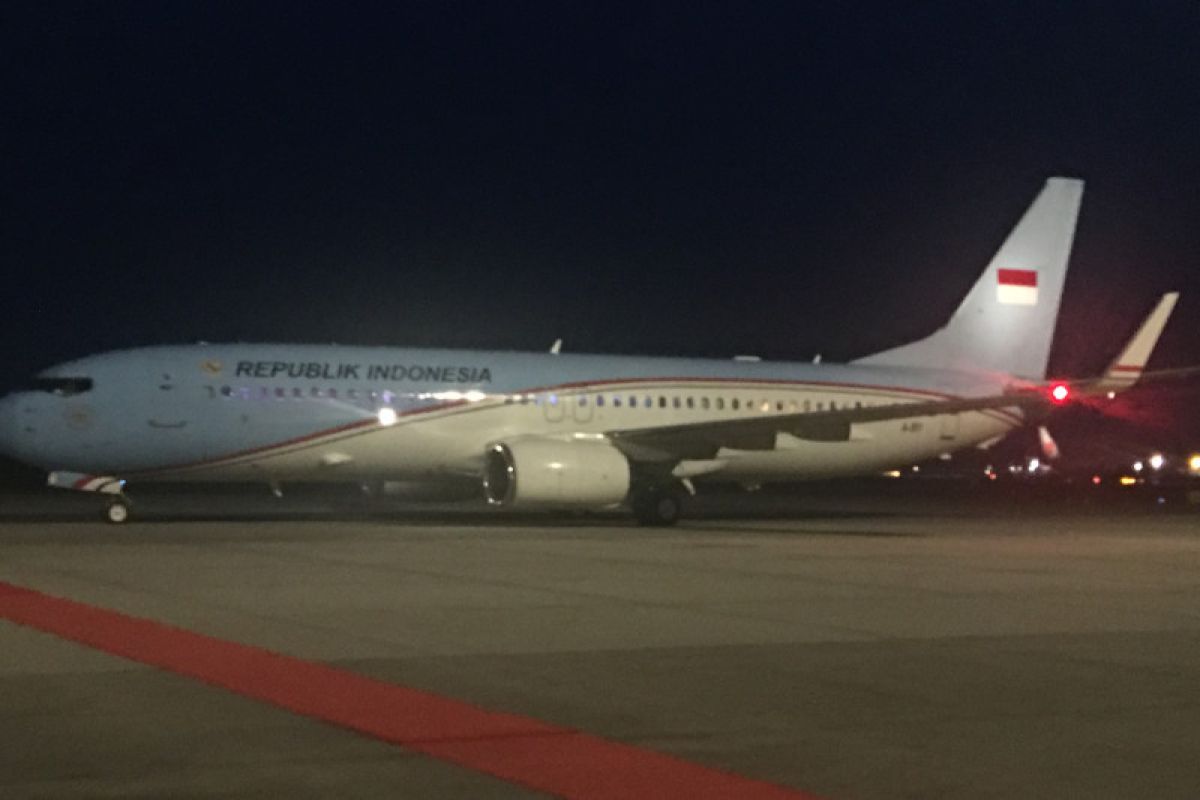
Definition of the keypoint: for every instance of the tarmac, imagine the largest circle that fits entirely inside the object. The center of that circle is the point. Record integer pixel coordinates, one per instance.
(848, 648)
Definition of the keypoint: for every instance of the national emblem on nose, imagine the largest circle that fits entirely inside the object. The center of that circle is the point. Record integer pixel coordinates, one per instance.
(211, 367)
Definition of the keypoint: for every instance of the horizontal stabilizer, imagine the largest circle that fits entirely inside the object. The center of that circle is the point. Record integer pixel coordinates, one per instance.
(1127, 368)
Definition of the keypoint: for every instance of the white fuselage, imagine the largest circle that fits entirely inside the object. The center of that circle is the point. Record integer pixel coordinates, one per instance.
(283, 412)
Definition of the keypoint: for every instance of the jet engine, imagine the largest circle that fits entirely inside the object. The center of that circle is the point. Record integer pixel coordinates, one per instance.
(552, 473)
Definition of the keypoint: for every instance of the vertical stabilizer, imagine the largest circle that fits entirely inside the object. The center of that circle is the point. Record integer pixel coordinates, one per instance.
(1006, 323)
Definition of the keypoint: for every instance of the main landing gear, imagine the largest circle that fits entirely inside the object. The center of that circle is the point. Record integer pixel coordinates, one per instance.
(657, 506)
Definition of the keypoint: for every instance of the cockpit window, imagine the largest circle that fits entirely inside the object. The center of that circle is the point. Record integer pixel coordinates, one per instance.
(63, 387)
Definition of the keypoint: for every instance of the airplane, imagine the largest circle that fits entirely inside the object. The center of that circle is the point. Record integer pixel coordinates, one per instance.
(566, 431)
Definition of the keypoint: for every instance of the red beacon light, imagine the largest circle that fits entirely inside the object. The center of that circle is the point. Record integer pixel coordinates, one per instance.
(1060, 393)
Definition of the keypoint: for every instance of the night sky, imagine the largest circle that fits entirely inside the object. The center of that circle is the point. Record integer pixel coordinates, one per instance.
(678, 179)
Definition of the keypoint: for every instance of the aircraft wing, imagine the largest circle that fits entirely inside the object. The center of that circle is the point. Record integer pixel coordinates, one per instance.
(702, 440)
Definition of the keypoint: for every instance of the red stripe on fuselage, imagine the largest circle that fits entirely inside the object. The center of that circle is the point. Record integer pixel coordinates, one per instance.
(363, 426)
(517, 749)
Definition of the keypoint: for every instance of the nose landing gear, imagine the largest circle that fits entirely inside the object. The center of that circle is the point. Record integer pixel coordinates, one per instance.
(116, 504)
(117, 511)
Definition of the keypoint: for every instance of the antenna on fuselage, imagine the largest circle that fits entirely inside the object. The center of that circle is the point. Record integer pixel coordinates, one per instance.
(556, 348)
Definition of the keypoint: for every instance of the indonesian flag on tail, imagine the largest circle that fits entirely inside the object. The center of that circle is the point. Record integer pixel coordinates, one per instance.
(1016, 287)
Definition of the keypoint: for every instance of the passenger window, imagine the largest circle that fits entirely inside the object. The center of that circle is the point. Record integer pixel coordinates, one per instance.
(226, 391)
(691, 403)
(807, 406)
(662, 401)
(298, 393)
(616, 401)
(720, 404)
(734, 404)
(583, 399)
(704, 403)
(280, 392)
(599, 399)
(333, 392)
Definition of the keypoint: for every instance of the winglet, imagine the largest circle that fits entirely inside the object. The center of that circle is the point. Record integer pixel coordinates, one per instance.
(1127, 367)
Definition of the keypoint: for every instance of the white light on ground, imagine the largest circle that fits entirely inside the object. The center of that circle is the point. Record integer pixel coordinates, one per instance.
(387, 416)
(1194, 463)
(1138, 466)
(1157, 461)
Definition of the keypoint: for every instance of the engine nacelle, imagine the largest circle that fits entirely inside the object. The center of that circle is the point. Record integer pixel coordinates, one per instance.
(550, 473)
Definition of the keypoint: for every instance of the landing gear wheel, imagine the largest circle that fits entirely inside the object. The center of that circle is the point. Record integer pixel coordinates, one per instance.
(117, 512)
(657, 507)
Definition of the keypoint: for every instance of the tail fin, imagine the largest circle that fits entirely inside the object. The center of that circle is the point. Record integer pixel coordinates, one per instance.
(1006, 323)
(1126, 368)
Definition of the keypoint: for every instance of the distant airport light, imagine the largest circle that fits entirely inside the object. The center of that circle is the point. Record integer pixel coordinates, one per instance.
(1060, 393)
(1194, 464)
(1096, 480)
(387, 416)
(1157, 461)
(1111, 395)
(1034, 464)
(1138, 466)
(1126, 480)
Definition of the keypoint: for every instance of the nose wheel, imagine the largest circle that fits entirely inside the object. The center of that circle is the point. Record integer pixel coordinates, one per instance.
(117, 511)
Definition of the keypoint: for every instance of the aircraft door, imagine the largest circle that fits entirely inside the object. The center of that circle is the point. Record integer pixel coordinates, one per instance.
(583, 407)
(949, 427)
(552, 407)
